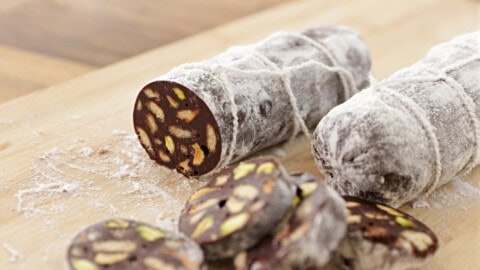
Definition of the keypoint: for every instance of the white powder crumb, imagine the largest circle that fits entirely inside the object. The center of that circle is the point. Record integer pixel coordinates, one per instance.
(166, 223)
(15, 255)
(86, 151)
(458, 193)
(119, 132)
(420, 203)
(278, 152)
(39, 133)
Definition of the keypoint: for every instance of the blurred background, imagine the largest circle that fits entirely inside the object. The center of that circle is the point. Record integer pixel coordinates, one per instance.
(44, 42)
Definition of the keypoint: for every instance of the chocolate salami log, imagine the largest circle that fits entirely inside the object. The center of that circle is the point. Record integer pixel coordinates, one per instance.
(238, 207)
(307, 237)
(407, 135)
(127, 244)
(202, 116)
(380, 237)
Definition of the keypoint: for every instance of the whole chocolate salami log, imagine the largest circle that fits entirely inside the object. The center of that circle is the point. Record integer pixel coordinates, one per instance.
(238, 207)
(127, 244)
(380, 237)
(307, 237)
(202, 116)
(409, 134)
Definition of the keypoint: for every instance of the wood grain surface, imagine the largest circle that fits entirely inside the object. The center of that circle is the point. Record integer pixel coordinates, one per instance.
(44, 42)
(54, 179)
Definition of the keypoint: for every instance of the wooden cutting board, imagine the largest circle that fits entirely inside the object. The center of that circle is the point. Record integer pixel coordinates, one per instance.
(68, 157)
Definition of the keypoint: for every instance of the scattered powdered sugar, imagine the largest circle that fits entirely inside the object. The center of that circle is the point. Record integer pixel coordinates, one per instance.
(116, 179)
(15, 255)
(458, 193)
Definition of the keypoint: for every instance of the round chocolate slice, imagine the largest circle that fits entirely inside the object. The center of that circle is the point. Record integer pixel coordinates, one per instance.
(381, 237)
(239, 206)
(306, 238)
(177, 129)
(127, 244)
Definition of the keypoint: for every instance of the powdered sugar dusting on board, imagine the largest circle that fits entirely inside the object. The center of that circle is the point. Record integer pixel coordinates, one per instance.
(458, 193)
(63, 177)
(15, 255)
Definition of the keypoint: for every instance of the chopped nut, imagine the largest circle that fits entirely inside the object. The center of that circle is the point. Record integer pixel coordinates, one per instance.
(221, 180)
(296, 200)
(179, 132)
(240, 260)
(307, 188)
(110, 258)
(195, 218)
(152, 125)
(266, 168)
(352, 219)
(267, 186)
(150, 234)
(203, 205)
(211, 138)
(172, 102)
(242, 170)
(83, 264)
(234, 205)
(139, 106)
(116, 224)
(390, 210)
(202, 227)
(151, 94)
(200, 193)
(421, 241)
(169, 144)
(375, 231)
(246, 191)
(257, 206)
(233, 223)
(163, 156)
(114, 246)
(145, 140)
(183, 149)
(155, 109)
(198, 155)
(374, 215)
(351, 204)
(157, 264)
(183, 166)
(187, 115)
(404, 222)
(179, 93)
(76, 252)
(157, 141)
(298, 233)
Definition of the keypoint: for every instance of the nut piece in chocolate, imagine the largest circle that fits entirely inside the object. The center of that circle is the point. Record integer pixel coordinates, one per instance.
(240, 205)
(381, 237)
(127, 244)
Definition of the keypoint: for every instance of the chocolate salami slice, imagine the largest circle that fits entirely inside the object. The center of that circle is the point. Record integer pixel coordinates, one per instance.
(380, 237)
(203, 116)
(241, 204)
(127, 244)
(306, 238)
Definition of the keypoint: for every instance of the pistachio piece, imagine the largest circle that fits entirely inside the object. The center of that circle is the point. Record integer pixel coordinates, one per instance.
(202, 227)
(233, 223)
(148, 233)
(242, 170)
(83, 264)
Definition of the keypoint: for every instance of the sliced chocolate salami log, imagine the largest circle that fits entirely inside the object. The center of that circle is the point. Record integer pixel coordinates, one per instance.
(241, 204)
(127, 244)
(409, 134)
(202, 116)
(380, 237)
(305, 239)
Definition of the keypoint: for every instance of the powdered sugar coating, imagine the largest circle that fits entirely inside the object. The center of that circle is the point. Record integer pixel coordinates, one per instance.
(409, 134)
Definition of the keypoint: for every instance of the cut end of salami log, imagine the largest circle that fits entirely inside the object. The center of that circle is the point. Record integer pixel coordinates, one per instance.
(177, 128)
